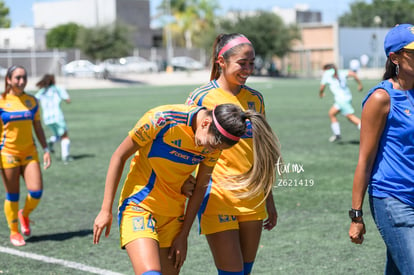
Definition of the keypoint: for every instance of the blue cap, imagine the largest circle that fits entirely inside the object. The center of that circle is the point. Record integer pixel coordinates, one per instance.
(401, 36)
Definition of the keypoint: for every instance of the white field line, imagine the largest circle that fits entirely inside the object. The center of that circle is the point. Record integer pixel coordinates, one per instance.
(51, 260)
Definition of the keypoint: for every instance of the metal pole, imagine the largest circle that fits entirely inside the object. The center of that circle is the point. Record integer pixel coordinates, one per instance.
(96, 12)
(33, 62)
(168, 38)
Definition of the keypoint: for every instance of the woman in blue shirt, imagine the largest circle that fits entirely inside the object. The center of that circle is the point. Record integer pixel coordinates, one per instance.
(386, 157)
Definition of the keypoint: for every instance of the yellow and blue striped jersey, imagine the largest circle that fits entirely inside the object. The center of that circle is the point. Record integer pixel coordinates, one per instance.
(234, 161)
(166, 158)
(17, 115)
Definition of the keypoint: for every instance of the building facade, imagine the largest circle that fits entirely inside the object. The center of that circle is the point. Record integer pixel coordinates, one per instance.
(24, 38)
(95, 13)
(328, 43)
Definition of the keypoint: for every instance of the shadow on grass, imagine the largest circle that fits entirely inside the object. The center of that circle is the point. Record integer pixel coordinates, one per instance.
(82, 156)
(346, 142)
(60, 236)
(124, 80)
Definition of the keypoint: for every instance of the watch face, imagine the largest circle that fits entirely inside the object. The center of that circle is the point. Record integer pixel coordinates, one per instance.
(355, 213)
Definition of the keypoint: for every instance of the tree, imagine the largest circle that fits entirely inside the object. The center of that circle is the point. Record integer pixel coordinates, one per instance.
(63, 36)
(266, 30)
(106, 41)
(4, 16)
(387, 13)
(192, 18)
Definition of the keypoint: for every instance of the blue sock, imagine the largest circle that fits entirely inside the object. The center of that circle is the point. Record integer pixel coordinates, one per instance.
(151, 272)
(222, 272)
(12, 196)
(36, 194)
(247, 267)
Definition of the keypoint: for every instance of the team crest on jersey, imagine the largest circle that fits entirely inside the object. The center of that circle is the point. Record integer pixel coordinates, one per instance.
(28, 103)
(159, 119)
(138, 224)
(407, 112)
(251, 106)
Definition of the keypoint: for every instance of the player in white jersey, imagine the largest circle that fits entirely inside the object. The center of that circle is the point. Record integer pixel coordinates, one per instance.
(50, 97)
(337, 82)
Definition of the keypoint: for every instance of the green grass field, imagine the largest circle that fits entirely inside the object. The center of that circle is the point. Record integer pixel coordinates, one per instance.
(312, 232)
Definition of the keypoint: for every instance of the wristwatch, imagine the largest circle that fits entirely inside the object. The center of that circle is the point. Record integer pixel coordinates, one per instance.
(355, 214)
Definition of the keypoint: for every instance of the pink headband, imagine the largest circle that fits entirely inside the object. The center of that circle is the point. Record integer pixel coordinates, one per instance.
(222, 131)
(232, 43)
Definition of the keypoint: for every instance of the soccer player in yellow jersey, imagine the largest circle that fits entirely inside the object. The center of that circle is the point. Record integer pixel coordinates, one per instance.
(19, 113)
(232, 222)
(169, 142)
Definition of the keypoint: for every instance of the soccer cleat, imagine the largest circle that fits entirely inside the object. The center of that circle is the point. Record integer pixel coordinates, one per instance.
(335, 138)
(24, 223)
(67, 159)
(17, 239)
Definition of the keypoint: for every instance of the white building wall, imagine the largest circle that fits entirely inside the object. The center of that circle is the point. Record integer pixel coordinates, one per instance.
(17, 38)
(88, 13)
(288, 15)
(23, 38)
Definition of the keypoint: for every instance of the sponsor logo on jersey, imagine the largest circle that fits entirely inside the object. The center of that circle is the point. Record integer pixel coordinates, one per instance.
(27, 114)
(196, 159)
(141, 134)
(226, 218)
(180, 155)
(177, 142)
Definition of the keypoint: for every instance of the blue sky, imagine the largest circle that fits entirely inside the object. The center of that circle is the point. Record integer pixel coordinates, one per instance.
(21, 10)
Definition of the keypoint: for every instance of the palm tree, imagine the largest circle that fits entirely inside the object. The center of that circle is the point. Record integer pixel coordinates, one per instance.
(191, 18)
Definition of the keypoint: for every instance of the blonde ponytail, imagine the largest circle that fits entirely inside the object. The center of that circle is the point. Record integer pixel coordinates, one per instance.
(266, 157)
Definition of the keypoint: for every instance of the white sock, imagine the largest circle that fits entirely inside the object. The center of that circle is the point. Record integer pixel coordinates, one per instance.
(65, 147)
(53, 139)
(359, 126)
(336, 129)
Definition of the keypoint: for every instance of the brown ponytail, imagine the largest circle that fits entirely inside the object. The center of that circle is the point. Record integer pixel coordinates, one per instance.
(46, 81)
(219, 43)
